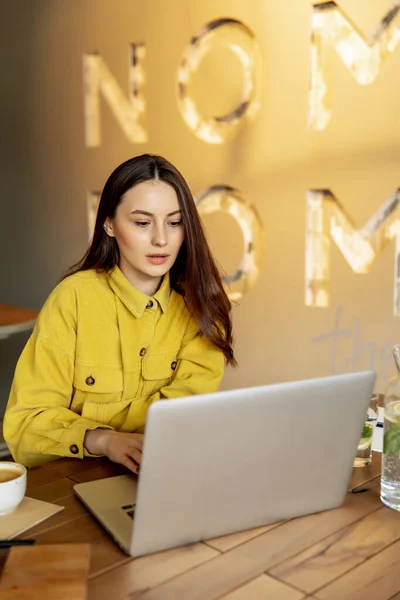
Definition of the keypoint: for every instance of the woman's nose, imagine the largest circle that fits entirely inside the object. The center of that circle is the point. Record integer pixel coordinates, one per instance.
(159, 238)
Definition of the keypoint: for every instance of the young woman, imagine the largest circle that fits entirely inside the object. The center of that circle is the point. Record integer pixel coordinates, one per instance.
(143, 316)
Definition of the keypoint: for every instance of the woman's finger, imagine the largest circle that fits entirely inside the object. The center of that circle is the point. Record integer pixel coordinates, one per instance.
(136, 455)
(130, 464)
(139, 438)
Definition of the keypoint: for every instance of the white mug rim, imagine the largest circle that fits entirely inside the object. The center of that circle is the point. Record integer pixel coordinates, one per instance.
(12, 466)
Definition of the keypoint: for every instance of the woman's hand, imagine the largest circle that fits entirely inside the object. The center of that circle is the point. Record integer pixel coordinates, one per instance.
(122, 448)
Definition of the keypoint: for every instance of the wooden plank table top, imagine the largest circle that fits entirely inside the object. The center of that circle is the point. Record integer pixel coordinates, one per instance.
(14, 319)
(349, 552)
(59, 571)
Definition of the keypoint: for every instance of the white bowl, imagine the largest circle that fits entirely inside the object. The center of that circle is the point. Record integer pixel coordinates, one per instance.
(13, 491)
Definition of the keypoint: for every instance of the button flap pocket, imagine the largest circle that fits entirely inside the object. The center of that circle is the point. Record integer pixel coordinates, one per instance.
(98, 379)
(159, 366)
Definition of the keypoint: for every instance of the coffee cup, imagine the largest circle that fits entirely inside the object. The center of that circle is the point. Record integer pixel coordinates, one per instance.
(12, 486)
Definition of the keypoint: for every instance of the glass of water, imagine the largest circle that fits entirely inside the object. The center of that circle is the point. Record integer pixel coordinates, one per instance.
(364, 448)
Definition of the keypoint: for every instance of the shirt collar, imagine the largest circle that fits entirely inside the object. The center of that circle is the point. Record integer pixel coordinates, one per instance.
(135, 300)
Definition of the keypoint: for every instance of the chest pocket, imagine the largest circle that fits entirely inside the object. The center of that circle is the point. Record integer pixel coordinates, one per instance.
(158, 370)
(98, 392)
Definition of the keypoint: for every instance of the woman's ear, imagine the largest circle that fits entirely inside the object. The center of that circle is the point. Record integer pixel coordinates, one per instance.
(108, 227)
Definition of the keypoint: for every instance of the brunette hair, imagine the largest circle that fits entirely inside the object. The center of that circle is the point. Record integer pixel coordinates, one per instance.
(194, 274)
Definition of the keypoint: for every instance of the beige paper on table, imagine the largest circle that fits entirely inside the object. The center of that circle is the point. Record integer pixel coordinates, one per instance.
(28, 514)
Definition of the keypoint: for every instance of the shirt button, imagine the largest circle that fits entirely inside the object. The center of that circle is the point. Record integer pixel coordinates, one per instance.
(150, 304)
(142, 352)
(173, 365)
(74, 449)
(90, 380)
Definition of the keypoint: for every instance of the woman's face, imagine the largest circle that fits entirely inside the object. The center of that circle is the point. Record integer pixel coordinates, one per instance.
(148, 229)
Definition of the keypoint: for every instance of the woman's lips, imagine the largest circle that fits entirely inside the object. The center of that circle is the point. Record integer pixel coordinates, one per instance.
(158, 259)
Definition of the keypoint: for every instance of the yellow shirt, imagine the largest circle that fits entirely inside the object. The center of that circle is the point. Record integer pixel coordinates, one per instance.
(100, 354)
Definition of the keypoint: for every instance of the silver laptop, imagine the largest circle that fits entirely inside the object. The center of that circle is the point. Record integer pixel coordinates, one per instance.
(219, 463)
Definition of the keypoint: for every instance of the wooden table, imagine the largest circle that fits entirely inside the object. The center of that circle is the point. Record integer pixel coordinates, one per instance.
(350, 552)
(15, 320)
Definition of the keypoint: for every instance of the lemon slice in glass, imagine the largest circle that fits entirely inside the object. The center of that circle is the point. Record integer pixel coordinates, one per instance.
(392, 412)
(364, 443)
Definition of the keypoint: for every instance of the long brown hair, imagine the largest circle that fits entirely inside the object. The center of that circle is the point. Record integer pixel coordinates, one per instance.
(194, 274)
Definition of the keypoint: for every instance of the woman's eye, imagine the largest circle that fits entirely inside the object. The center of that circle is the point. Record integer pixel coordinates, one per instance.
(175, 223)
(142, 223)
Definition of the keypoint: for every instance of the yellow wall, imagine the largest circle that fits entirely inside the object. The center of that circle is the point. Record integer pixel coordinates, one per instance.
(273, 161)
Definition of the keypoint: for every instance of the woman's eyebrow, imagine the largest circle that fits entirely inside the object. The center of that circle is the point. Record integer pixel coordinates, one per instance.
(142, 212)
(149, 214)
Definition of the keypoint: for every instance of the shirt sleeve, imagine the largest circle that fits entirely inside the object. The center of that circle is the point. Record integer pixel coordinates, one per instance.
(200, 367)
(38, 424)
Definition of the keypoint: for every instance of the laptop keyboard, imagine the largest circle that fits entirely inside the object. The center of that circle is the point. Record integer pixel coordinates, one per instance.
(129, 509)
